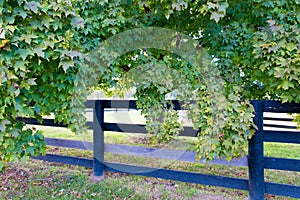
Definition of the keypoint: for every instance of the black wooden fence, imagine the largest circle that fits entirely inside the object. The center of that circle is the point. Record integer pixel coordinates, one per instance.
(256, 161)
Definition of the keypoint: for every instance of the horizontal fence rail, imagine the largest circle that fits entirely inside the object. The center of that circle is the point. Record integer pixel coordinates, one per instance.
(282, 164)
(256, 162)
(212, 180)
(284, 137)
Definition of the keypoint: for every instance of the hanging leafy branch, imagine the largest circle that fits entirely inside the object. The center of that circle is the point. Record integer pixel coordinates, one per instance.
(38, 63)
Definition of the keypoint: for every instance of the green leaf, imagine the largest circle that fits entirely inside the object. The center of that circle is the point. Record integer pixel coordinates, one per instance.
(212, 5)
(291, 46)
(33, 6)
(20, 65)
(3, 124)
(216, 16)
(9, 19)
(21, 12)
(1, 165)
(2, 33)
(31, 81)
(222, 7)
(11, 76)
(286, 85)
(77, 22)
(39, 51)
(24, 53)
(66, 64)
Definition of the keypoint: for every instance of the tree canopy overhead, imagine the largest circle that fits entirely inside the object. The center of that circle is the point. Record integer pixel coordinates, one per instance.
(44, 44)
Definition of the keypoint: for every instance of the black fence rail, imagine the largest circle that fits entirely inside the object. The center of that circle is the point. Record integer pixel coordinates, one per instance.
(256, 161)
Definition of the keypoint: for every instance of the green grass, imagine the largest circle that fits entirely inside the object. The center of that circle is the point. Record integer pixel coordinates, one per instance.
(282, 150)
(44, 180)
(61, 182)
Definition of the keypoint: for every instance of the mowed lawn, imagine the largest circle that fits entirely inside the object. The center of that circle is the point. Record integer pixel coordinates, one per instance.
(44, 180)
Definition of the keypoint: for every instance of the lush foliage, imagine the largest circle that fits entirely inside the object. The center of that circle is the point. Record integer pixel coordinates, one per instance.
(43, 44)
(37, 49)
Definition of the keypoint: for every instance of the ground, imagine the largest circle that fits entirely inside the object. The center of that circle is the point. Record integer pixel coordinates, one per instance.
(43, 180)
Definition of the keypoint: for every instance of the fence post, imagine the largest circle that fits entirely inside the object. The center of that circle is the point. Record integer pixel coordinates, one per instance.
(256, 156)
(98, 139)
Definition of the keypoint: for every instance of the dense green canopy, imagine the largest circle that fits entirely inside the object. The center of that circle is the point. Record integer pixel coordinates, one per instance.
(44, 44)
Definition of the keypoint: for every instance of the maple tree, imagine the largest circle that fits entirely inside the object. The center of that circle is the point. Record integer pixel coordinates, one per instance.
(44, 44)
